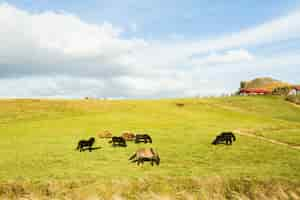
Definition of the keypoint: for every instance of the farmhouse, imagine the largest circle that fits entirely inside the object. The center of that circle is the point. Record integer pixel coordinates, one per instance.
(295, 90)
(254, 91)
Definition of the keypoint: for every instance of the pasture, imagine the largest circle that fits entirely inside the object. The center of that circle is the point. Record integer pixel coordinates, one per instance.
(38, 140)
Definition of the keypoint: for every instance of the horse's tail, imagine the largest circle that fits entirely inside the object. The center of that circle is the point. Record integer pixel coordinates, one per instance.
(155, 156)
(78, 146)
(158, 160)
(233, 137)
(132, 157)
(152, 151)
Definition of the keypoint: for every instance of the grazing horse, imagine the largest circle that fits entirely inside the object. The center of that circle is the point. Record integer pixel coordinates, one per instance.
(85, 143)
(143, 138)
(128, 136)
(118, 141)
(105, 134)
(145, 154)
(224, 136)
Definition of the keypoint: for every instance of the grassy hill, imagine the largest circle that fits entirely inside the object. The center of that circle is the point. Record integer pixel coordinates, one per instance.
(264, 83)
(38, 138)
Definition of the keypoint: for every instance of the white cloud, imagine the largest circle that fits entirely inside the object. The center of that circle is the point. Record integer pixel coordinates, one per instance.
(280, 29)
(50, 54)
(231, 56)
(44, 41)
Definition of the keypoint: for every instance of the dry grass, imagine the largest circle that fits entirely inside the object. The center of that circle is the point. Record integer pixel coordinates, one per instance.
(215, 188)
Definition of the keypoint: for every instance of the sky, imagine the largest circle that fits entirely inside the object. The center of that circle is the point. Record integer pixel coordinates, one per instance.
(144, 49)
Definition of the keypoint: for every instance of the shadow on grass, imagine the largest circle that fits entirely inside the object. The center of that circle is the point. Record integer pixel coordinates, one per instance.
(119, 145)
(91, 149)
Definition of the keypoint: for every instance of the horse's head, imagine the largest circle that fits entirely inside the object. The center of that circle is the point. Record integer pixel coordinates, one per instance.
(216, 141)
(92, 140)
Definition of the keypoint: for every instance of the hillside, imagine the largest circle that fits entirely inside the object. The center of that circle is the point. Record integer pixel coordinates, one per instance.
(263, 83)
(38, 157)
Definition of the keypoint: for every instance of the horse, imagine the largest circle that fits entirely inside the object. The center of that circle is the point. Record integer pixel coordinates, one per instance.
(105, 134)
(128, 136)
(145, 154)
(142, 138)
(118, 141)
(224, 136)
(85, 143)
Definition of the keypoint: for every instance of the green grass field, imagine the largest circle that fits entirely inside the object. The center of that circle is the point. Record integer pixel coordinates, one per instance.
(38, 157)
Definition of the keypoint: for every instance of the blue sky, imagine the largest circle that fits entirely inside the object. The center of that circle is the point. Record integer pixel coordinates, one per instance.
(158, 19)
(144, 49)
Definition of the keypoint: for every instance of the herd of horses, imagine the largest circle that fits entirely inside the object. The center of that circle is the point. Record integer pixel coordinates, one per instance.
(144, 154)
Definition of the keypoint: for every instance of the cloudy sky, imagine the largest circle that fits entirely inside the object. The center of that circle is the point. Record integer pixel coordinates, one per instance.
(144, 49)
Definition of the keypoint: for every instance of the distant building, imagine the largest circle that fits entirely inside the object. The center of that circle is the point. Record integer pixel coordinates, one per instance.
(298, 89)
(254, 91)
(295, 90)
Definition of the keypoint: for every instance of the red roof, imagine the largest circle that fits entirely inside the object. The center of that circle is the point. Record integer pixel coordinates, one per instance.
(255, 90)
(297, 87)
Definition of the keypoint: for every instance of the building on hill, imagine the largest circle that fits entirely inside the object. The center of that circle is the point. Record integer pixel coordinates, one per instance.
(295, 90)
(254, 91)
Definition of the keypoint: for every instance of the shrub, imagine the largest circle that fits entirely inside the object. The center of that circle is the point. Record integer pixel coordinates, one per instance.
(283, 91)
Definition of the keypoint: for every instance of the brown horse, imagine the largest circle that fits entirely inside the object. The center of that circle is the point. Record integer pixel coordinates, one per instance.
(145, 154)
(105, 134)
(128, 136)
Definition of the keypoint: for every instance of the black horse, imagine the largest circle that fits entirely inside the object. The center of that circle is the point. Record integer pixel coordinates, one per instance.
(118, 141)
(226, 137)
(143, 138)
(85, 143)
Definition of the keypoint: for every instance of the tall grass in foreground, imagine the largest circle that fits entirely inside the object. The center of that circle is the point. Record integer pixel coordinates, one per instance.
(210, 188)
